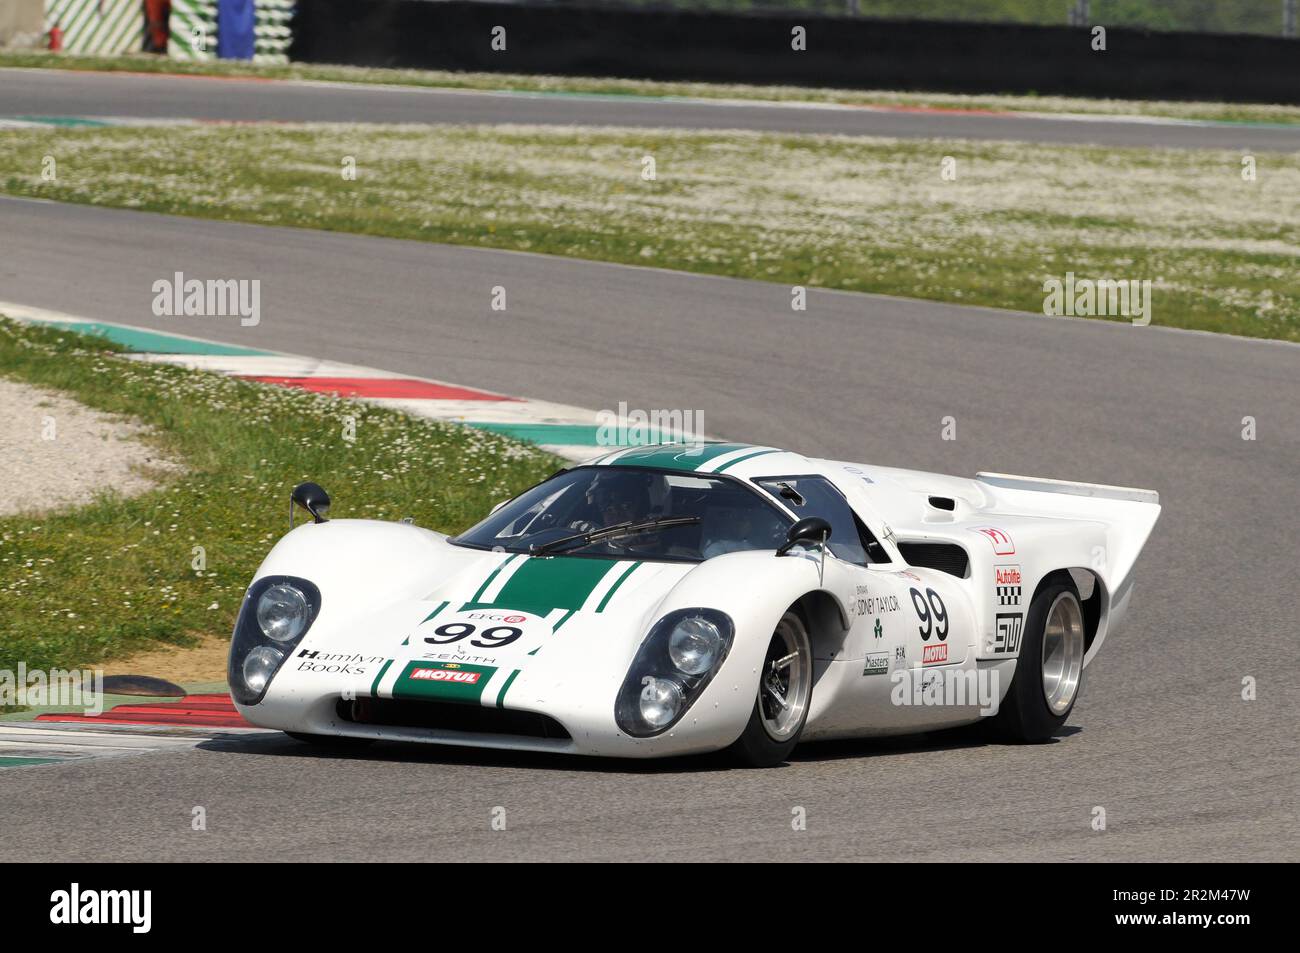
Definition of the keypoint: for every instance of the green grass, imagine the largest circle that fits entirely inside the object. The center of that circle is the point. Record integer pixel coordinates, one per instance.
(851, 213)
(117, 575)
(519, 82)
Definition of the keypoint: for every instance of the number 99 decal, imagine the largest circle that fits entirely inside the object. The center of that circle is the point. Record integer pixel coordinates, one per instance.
(490, 638)
(932, 613)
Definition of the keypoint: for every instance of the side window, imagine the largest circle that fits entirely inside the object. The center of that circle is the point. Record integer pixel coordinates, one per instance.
(875, 552)
(817, 496)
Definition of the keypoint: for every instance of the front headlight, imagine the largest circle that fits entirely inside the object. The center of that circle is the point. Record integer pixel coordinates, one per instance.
(276, 614)
(259, 665)
(694, 645)
(675, 662)
(283, 612)
(660, 701)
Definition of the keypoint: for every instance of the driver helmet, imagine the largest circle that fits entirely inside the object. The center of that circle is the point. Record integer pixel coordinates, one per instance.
(620, 497)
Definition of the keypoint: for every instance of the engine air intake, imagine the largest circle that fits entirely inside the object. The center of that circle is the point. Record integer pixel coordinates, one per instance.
(449, 716)
(946, 557)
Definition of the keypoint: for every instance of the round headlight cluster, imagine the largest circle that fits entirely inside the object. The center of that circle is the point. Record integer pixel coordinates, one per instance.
(277, 613)
(694, 645)
(259, 665)
(283, 613)
(676, 661)
(661, 700)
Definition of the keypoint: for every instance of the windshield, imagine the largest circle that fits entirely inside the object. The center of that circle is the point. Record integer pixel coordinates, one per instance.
(706, 516)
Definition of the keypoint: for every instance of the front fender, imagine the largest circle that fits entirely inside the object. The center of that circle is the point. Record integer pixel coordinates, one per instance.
(360, 566)
(755, 589)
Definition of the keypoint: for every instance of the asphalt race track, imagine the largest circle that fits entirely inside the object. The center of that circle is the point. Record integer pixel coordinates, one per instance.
(1185, 769)
(68, 93)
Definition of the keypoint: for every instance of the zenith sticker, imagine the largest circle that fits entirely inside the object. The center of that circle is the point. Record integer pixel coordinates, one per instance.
(877, 664)
(1006, 635)
(1006, 581)
(1001, 540)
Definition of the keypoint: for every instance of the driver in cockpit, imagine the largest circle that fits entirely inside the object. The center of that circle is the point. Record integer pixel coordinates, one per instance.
(612, 498)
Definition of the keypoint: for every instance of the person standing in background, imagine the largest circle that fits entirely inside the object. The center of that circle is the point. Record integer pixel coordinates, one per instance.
(157, 14)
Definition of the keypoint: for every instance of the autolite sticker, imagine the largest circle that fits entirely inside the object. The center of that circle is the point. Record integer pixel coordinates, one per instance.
(443, 681)
(1007, 585)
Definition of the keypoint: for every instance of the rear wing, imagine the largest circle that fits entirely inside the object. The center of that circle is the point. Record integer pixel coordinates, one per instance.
(1127, 514)
(1098, 491)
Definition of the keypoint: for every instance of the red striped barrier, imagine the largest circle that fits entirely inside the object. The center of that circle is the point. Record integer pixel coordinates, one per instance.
(379, 387)
(193, 711)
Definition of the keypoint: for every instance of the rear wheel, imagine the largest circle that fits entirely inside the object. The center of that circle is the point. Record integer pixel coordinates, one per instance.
(1049, 672)
(784, 694)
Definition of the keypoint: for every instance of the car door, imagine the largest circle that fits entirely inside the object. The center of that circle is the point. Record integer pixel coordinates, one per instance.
(847, 575)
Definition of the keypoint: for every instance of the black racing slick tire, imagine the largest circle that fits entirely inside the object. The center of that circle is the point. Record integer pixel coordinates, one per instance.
(1049, 672)
(783, 698)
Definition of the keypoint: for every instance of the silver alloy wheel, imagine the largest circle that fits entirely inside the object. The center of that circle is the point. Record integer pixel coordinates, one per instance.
(1062, 653)
(786, 680)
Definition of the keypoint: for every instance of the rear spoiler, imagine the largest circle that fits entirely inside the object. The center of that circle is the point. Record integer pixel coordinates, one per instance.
(1099, 491)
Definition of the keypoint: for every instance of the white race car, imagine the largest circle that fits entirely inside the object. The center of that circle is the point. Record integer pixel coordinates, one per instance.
(687, 598)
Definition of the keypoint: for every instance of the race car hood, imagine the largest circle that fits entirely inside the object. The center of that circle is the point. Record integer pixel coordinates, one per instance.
(479, 621)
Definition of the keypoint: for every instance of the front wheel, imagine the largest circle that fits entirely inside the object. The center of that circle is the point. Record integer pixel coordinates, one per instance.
(1049, 672)
(784, 694)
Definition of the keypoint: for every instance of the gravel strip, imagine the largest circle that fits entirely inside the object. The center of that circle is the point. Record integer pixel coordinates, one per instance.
(56, 452)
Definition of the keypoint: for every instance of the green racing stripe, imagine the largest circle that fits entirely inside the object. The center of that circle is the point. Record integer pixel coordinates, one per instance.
(749, 456)
(676, 456)
(374, 689)
(542, 584)
(614, 588)
(501, 698)
(443, 681)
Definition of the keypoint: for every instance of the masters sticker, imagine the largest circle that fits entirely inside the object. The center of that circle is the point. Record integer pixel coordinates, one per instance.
(443, 681)
(877, 664)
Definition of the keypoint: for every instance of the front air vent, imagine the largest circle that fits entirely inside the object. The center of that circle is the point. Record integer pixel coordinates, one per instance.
(943, 503)
(449, 716)
(946, 557)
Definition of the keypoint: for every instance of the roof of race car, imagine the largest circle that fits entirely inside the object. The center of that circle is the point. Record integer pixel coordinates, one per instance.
(708, 458)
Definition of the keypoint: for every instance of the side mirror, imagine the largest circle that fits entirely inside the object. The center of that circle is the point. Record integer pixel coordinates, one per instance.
(810, 529)
(312, 498)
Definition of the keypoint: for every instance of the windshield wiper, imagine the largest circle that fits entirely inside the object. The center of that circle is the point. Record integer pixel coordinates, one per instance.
(630, 528)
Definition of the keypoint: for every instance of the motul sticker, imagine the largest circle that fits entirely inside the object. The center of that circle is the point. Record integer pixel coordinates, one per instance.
(934, 654)
(445, 675)
(443, 681)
